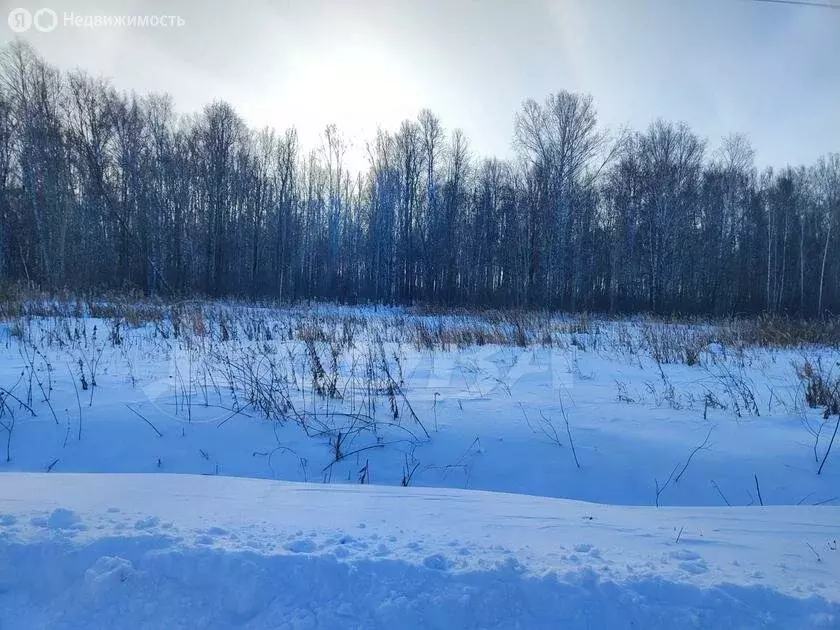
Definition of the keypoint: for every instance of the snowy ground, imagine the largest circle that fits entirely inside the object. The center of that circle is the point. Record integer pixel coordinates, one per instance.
(622, 415)
(172, 551)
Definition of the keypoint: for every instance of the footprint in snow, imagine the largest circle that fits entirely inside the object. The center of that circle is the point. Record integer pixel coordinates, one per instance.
(150, 522)
(695, 566)
(436, 562)
(684, 554)
(304, 545)
(691, 562)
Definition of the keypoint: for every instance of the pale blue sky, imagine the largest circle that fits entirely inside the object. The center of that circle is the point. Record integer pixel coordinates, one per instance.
(768, 70)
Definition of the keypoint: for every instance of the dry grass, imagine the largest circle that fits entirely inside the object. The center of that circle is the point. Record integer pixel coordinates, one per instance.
(822, 386)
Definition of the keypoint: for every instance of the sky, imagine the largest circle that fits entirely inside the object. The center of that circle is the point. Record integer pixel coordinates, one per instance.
(769, 70)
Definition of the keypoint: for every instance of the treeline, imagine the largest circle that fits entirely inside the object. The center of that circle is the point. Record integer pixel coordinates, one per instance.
(102, 190)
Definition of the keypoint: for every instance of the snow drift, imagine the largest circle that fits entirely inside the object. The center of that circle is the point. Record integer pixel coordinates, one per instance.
(180, 551)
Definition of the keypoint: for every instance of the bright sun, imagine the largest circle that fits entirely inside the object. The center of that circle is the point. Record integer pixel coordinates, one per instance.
(356, 85)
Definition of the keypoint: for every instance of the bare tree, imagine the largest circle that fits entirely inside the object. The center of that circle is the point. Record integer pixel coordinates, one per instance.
(104, 190)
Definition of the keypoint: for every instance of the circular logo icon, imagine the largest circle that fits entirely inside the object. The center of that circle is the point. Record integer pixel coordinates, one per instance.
(20, 20)
(45, 20)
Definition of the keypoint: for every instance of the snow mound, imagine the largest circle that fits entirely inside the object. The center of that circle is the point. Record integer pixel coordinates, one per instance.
(162, 585)
(160, 551)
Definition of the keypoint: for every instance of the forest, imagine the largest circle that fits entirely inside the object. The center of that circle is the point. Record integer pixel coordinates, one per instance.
(106, 191)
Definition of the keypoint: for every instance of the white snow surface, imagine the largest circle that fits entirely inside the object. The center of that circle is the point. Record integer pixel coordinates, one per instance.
(185, 551)
(163, 496)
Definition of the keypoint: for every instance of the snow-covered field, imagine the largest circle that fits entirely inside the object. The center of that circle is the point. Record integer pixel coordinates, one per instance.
(671, 468)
